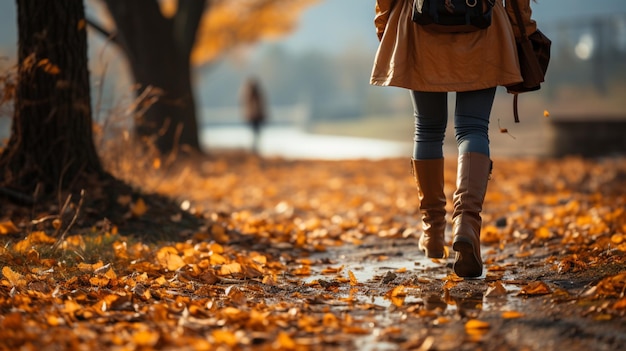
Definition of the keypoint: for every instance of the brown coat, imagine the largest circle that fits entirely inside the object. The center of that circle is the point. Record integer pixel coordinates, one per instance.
(413, 58)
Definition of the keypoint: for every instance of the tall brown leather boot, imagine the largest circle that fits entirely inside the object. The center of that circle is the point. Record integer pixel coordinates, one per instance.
(429, 179)
(471, 182)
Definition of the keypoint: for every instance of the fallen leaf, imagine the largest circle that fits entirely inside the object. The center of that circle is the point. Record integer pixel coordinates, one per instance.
(139, 208)
(284, 342)
(512, 314)
(146, 338)
(231, 268)
(7, 227)
(169, 258)
(495, 290)
(14, 278)
(353, 280)
(535, 288)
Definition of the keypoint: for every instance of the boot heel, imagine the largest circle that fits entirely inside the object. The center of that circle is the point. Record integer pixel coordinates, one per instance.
(466, 264)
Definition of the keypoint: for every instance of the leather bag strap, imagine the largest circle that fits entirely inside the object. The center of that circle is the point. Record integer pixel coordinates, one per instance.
(522, 30)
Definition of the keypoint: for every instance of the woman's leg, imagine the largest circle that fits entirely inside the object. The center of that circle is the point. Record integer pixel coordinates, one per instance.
(471, 123)
(431, 112)
(431, 118)
(471, 120)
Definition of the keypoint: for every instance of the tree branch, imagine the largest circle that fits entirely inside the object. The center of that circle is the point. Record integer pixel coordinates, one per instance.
(105, 33)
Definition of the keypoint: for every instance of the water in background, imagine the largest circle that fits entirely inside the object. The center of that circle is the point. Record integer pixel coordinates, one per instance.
(292, 142)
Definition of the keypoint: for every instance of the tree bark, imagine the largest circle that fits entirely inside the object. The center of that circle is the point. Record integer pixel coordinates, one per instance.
(51, 140)
(158, 51)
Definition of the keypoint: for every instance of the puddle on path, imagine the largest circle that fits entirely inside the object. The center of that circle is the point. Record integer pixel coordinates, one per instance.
(417, 268)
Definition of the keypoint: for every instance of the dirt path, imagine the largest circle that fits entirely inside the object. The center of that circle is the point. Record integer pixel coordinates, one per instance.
(500, 311)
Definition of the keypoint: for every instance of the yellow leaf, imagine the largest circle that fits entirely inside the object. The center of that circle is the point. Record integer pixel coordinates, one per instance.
(7, 227)
(546, 113)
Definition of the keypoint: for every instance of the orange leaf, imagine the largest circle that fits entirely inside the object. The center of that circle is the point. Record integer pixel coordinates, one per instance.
(398, 291)
(476, 325)
(14, 278)
(535, 288)
(495, 289)
(217, 259)
(168, 257)
(139, 208)
(353, 280)
(284, 342)
(7, 227)
(512, 314)
(230, 268)
(99, 281)
(332, 270)
(224, 337)
(620, 305)
(146, 338)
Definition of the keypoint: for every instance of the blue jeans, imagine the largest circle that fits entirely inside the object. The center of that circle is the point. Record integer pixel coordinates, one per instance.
(471, 122)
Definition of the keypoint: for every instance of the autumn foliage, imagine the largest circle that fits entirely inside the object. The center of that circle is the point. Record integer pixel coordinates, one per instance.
(297, 255)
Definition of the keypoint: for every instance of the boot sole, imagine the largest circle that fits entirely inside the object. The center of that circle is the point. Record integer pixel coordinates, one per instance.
(466, 264)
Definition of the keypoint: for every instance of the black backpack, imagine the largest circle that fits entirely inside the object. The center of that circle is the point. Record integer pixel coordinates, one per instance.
(453, 16)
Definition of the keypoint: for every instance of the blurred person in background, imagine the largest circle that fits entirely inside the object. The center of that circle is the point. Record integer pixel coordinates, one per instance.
(430, 64)
(253, 103)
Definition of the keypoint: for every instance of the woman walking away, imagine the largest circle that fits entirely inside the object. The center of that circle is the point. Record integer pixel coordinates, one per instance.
(422, 51)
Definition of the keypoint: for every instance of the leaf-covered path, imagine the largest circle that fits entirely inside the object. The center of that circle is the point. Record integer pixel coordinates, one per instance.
(297, 255)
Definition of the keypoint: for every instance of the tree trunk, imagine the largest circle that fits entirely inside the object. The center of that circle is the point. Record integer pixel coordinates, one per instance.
(51, 139)
(158, 51)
